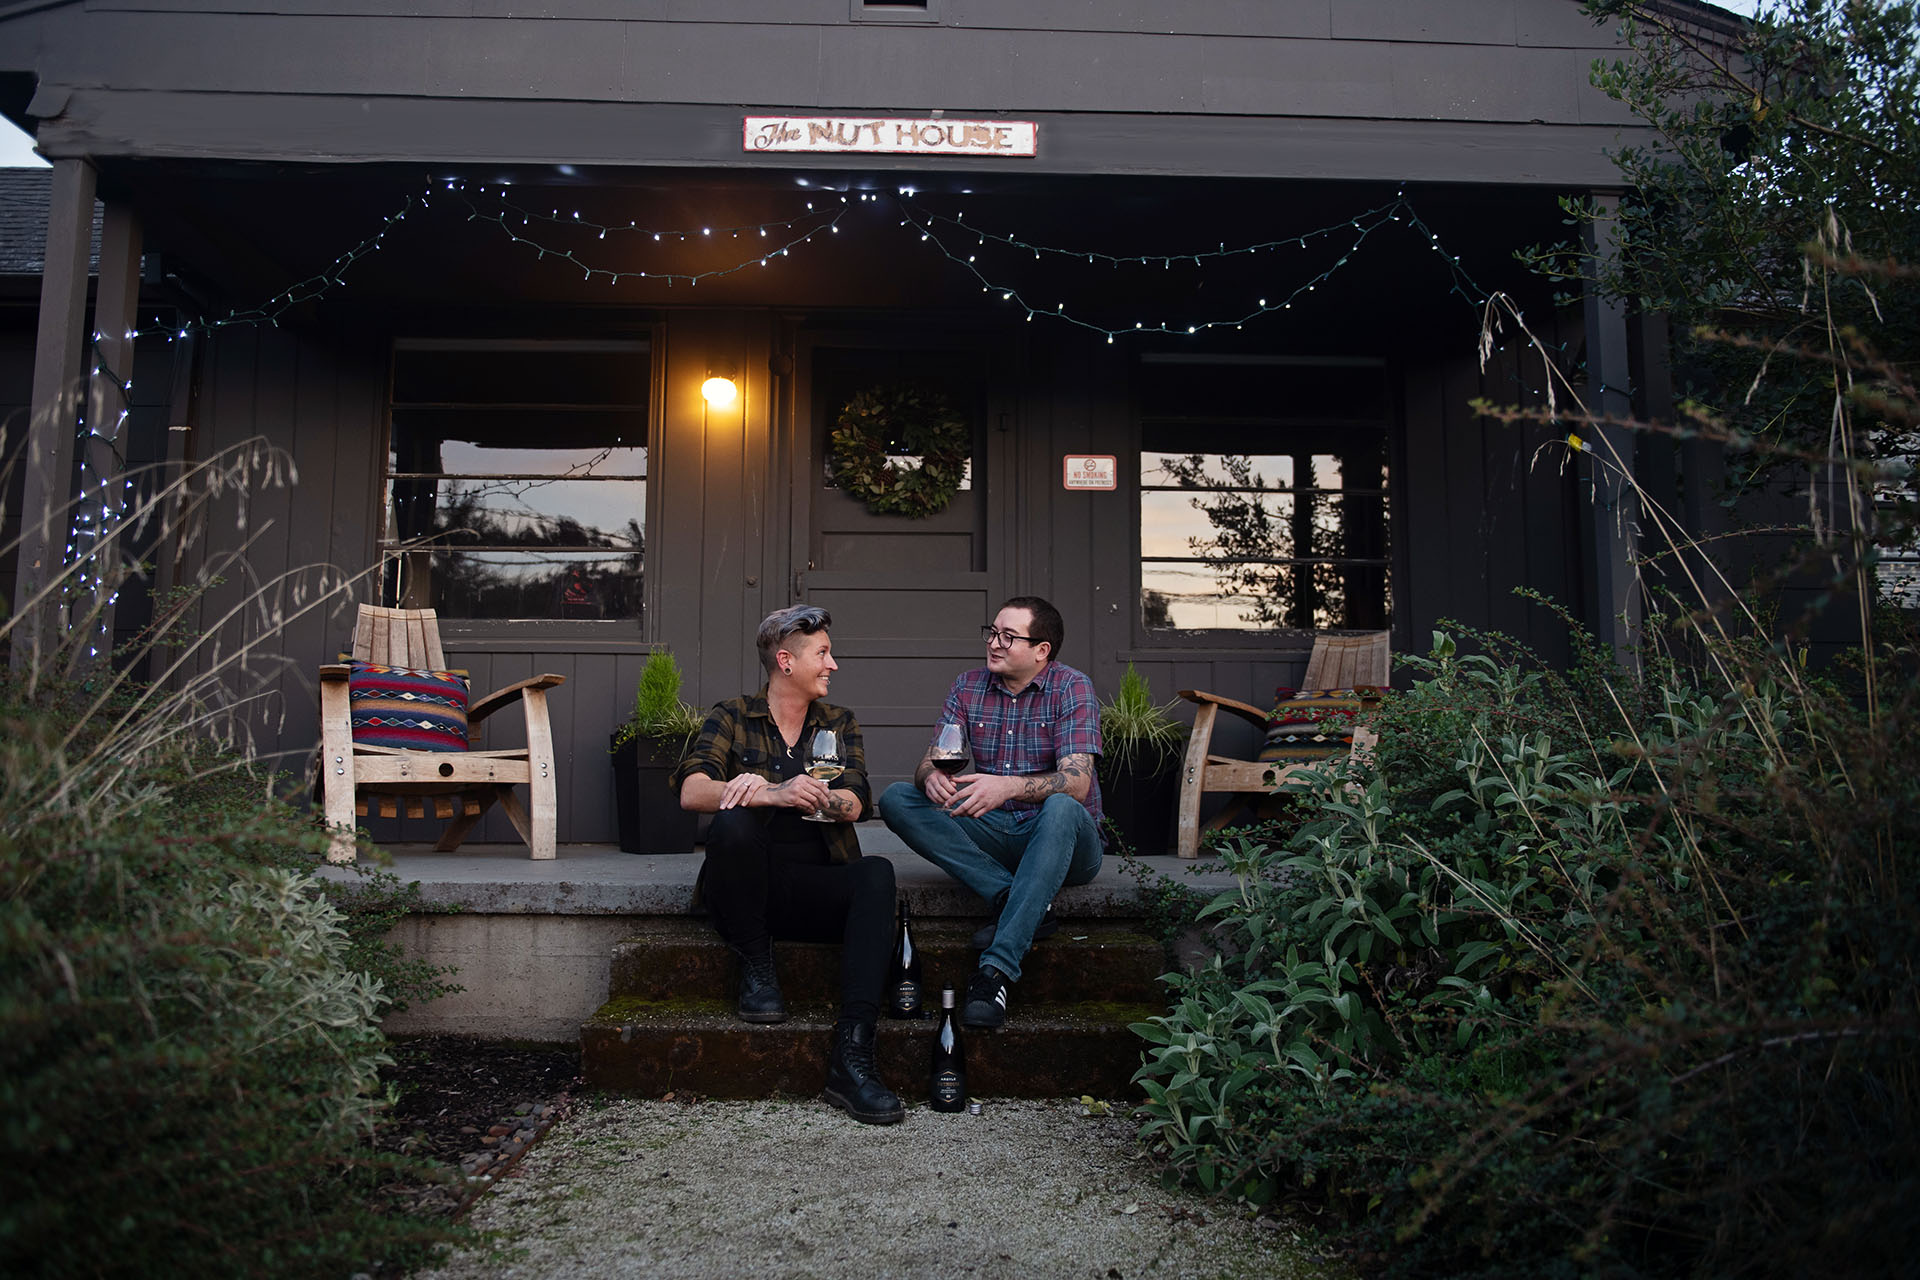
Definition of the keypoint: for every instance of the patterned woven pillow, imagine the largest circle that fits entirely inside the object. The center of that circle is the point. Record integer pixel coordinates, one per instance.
(1310, 726)
(400, 707)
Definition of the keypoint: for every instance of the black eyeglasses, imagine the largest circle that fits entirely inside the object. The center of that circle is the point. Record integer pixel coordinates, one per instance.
(1002, 639)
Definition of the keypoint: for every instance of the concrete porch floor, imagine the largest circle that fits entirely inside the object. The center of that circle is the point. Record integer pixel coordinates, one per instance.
(531, 942)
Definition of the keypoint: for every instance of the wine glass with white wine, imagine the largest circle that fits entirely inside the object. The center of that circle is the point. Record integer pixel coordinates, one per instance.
(825, 762)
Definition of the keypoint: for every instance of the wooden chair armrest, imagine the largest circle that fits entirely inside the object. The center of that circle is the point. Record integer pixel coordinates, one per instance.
(335, 671)
(1241, 709)
(501, 697)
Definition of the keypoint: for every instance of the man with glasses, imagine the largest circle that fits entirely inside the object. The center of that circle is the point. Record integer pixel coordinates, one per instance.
(1026, 818)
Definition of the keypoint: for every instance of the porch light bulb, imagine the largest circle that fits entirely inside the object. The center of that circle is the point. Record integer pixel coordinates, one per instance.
(719, 391)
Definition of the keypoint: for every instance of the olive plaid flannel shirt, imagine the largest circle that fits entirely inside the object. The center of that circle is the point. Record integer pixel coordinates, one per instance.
(739, 736)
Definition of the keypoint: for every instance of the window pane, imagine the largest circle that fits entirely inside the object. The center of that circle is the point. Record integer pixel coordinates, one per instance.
(902, 462)
(1192, 596)
(529, 584)
(515, 441)
(522, 512)
(1217, 525)
(526, 464)
(585, 373)
(1351, 596)
(1258, 461)
(1215, 470)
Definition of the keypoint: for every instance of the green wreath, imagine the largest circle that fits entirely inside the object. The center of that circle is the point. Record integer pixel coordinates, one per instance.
(884, 421)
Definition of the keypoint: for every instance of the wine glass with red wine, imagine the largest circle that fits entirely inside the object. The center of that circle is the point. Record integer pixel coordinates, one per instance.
(949, 754)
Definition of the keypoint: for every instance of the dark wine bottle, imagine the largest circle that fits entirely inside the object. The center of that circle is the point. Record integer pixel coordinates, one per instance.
(903, 983)
(947, 1080)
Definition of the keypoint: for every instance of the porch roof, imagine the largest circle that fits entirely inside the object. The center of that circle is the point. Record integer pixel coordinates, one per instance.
(1494, 91)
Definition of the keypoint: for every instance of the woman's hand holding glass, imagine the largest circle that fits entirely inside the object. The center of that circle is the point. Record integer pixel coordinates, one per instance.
(824, 763)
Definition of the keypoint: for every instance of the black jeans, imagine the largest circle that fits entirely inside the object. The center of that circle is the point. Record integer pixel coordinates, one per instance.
(759, 887)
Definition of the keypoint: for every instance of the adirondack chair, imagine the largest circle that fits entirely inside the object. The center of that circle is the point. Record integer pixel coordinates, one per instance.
(460, 784)
(1351, 662)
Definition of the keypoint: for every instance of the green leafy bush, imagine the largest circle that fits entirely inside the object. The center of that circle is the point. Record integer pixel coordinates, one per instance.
(188, 1069)
(1569, 990)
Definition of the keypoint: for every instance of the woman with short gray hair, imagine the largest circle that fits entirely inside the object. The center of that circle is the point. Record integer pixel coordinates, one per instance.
(782, 858)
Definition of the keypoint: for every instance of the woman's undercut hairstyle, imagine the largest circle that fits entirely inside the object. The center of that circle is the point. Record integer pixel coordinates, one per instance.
(799, 619)
(1046, 626)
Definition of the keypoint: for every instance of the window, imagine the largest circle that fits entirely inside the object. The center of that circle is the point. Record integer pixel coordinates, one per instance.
(1263, 495)
(920, 11)
(523, 467)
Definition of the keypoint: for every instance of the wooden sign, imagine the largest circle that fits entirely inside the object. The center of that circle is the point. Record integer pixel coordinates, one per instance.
(889, 136)
(1089, 471)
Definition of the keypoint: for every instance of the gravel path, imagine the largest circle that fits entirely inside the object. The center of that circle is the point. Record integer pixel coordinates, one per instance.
(787, 1188)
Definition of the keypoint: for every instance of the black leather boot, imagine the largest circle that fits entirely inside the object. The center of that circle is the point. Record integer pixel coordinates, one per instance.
(852, 1083)
(760, 999)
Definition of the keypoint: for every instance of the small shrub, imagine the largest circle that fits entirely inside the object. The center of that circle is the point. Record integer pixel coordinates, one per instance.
(658, 711)
(188, 1075)
(1137, 731)
(369, 910)
(1562, 991)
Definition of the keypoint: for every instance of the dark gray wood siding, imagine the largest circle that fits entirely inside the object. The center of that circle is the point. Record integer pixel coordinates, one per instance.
(737, 516)
(1475, 90)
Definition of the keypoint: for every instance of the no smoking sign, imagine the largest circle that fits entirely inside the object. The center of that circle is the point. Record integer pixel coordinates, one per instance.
(1089, 471)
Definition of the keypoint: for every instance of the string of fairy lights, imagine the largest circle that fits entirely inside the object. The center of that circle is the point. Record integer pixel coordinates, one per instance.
(551, 233)
(505, 213)
(1361, 227)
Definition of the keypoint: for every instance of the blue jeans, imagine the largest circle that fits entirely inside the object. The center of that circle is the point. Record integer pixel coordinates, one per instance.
(999, 853)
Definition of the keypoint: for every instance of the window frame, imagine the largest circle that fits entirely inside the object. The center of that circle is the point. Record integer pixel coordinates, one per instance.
(1205, 642)
(928, 14)
(533, 634)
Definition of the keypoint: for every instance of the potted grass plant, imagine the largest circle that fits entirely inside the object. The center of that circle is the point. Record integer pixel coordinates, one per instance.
(646, 747)
(1140, 764)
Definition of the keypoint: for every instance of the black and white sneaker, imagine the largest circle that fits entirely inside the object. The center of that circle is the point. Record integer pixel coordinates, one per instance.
(986, 1007)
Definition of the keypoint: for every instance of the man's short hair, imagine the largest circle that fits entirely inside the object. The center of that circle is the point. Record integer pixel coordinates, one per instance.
(799, 619)
(1047, 625)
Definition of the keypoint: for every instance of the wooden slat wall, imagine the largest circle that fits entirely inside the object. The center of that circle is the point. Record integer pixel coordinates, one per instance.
(1505, 516)
(320, 403)
(1387, 59)
(1478, 515)
(16, 388)
(1468, 91)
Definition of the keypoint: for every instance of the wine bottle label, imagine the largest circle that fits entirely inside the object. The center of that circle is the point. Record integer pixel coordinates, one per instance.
(947, 1087)
(906, 997)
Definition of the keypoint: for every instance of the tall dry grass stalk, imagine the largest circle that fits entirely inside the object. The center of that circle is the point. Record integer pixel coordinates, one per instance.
(210, 673)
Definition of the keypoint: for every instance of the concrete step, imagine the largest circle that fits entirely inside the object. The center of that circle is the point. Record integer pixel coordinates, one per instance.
(647, 1047)
(1098, 960)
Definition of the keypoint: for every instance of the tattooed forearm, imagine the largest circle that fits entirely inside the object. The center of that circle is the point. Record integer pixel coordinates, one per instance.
(1074, 777)
(1038, 786)
(843, 806)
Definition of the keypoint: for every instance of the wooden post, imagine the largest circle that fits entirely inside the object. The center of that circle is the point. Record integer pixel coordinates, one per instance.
(103, 451)
(1612, 531)
(59, 350)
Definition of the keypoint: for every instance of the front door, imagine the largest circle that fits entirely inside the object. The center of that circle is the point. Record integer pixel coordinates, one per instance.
(908, 593)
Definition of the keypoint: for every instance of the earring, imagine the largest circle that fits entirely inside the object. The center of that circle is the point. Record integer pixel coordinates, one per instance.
(786, 671)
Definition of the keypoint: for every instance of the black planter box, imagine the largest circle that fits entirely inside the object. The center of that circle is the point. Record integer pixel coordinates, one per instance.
(649, 813)
(1140, 801)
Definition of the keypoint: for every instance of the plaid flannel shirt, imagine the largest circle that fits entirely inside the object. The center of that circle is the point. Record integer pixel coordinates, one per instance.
(739, 736)
(1030, 732)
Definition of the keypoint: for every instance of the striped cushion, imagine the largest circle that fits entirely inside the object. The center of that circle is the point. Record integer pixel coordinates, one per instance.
(1310, 726)
(400, 707)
